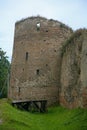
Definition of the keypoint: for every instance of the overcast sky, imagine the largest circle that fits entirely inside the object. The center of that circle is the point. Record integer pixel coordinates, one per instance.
(71, 12)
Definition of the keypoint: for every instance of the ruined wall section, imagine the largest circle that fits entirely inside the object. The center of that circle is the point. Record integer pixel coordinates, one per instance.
(35, 71)
(84, 72)
(73, 91)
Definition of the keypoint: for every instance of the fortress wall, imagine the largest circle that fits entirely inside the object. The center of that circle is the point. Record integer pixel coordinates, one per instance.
(36, 61)
(73, 91)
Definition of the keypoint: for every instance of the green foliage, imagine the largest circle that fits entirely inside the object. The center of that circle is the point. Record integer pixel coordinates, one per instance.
(4, 70)
(62, 25)
(57, 118)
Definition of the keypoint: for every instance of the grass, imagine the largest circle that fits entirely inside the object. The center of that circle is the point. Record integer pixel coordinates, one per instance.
(57, 118)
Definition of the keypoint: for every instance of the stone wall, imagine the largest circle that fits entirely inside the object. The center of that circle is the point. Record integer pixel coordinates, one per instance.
(84, 72)
(73, 92)
(36, 60)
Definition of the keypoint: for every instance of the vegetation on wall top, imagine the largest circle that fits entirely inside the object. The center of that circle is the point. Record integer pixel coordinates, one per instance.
(71, 39)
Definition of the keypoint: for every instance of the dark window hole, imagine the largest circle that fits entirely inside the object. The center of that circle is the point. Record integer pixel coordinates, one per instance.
(26, 56)
(44, 40)
(37, 71)
(19, 89)
(79, 71)
(46, 30)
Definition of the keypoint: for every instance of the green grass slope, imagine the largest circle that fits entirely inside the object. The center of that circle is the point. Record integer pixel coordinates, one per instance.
(57, 118)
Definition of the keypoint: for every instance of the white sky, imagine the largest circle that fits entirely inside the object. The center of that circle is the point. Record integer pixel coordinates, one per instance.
(71, 12)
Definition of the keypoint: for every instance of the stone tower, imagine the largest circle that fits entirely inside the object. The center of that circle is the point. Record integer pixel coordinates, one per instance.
(36, 60)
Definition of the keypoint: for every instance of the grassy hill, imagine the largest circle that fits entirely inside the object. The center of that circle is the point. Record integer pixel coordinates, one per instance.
(57, 118)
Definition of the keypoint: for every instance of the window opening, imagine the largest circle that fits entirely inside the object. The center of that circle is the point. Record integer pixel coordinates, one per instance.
(44, 40)
(54, 50)
(38, 71)
(38, 26)
(19, 90)
(26, 56)
(46, 30)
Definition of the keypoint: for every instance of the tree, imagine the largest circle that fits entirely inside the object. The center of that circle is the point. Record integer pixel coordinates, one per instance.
(4, 72)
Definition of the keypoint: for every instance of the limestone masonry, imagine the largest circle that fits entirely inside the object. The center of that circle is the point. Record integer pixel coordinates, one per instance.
(47, 66)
